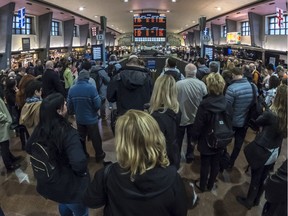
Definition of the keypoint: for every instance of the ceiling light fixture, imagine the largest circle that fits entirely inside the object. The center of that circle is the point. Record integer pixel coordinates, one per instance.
(112, 25)
(125, 0)
(186, 25)
(173, 0)
(81, 8)
(218, 8)
(168, 11)
(95, 16)
(193, 21)
(131, 11)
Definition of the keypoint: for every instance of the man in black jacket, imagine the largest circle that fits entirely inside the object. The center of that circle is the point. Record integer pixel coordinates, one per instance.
(51, 81)
(131, 88)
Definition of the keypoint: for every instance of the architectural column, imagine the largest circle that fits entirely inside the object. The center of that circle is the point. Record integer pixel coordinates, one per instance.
(84, 31)
(45, 25)
(256, 23)
(191, 38)
(6, 23)
(216, 34)
(231, 25)
(197, 37)
(68, 33)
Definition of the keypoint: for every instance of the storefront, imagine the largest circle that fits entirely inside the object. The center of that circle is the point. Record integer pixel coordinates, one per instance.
(58, 53)
(22, 59)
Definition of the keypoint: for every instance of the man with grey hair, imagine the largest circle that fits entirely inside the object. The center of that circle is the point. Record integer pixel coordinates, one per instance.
(51, 81)
(190, 94)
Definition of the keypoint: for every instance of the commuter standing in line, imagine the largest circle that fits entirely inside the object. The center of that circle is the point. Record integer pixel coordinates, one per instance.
(69, 178)
(240, 95)
(84, 101)
(202, 68)
(141, 182)
(213, 103)
(68, 77)
(190, 94)
(164, 108)
(274, 130)
(171, 69)
(51, 81)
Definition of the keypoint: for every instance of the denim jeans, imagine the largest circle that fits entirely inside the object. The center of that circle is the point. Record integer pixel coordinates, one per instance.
(73, 209)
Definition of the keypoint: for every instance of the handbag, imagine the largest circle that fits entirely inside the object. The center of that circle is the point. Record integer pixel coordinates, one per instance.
(256, 155)
(191, 195)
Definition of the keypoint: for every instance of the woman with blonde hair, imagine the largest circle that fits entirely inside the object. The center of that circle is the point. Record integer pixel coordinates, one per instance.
(141, 182)
(263, 152)
(211, 104)
(164, 108)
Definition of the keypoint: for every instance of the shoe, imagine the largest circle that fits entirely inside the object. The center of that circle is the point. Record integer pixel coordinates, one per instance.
(100, 157)
(243, 201)
(197, 185)
(12, 167)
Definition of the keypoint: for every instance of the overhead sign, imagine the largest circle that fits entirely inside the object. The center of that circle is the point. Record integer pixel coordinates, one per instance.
(279, 16)
(233, 38)
(21, 17)
(25, 44)
(100, 37)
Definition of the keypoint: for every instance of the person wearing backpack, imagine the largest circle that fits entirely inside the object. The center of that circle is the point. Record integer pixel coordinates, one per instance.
(102, 79)
(57, 157)
(212, 107)
(113, 66)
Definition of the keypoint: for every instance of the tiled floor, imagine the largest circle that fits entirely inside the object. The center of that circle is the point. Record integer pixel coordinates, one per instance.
(19, 199)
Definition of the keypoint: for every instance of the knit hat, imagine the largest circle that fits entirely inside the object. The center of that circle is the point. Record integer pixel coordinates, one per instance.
(84, 74)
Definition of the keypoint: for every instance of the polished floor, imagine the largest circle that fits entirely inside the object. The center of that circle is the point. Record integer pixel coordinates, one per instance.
(21, 199)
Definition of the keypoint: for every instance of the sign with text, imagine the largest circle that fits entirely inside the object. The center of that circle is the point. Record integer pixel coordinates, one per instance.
(96, 51)
(25, 44)
(21, 17)
(100, 37)
(233, 38)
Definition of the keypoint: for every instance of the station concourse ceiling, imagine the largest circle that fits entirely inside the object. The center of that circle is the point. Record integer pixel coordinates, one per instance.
(181, 14)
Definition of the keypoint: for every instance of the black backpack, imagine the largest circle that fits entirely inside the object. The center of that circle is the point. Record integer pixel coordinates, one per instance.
(220, 133)
(176, 75)
(111, 70)
(43, 169)
(95, 75)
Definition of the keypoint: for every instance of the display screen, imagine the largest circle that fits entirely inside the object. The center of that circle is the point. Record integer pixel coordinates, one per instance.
(209, 50)
(96, 51)
(149, 27)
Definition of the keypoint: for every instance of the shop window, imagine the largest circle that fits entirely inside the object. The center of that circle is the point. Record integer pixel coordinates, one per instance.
(245, 28)
(273, 26)
(55, 30)
(27, 29)
(75, 31)
(224, 31)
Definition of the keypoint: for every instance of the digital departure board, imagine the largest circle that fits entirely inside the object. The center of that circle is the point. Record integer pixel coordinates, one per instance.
(149, 27)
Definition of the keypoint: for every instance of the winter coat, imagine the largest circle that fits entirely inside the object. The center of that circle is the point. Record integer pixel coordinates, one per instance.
(5, 122)
(130, 89)
(71, 175)
(159, 191)
(51, 83)
(209, 105)
(240, 95)
(168, 122)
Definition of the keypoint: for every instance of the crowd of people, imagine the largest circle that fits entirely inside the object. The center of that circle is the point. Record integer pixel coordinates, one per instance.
(149, 122)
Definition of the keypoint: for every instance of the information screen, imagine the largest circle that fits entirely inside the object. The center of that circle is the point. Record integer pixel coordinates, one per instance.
(96, 51)
(149, 27)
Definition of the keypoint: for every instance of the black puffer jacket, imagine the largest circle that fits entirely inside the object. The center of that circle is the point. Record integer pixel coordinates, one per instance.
(131, 89)
(210, 104)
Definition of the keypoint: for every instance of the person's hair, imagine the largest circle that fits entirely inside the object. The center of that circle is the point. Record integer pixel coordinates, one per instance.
(214, 67)
(279, 107)
(270, 67)
(284, 81)
(52, 127)
(201, 61)
(31, 87)
(164, 94)
(190, 70)
(86, 65)
(133, 61)
(236, 71)
(215, 84)
(10, 83)
(274, 82)
(140, 144)
(170, 62)
(49, 65)
(113, 57)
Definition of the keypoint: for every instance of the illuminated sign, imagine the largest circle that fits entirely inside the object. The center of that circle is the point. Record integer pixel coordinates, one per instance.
(233, 38)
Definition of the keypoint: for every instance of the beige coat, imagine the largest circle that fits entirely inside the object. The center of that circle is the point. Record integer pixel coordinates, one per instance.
(30, 115)
(5, 122)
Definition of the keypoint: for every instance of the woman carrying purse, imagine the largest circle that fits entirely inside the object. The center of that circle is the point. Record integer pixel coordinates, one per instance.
(263, 152)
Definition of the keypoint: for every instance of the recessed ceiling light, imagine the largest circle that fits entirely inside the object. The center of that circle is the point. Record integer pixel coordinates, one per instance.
(186, 25)
(131, 11)
(117, 28)
(168, 11)
(112, 25)
(218, 8)
(95, 16)
(81, 8)
(125, 0)
(173, 0)
(193, 21)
